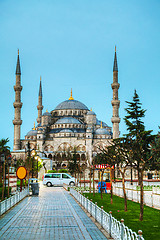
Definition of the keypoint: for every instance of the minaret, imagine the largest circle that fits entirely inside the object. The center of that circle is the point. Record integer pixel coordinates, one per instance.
(17, 106)
(39, 107)
(115, 102)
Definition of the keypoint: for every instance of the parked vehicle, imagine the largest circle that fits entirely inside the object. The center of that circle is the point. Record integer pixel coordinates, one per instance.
(58, 179)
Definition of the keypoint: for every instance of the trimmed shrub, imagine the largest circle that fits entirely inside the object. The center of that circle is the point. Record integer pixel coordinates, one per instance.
(63, 171)
(51, 171)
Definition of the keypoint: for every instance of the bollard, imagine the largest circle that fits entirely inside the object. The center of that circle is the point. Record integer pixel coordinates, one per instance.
(87, 204)
(102, 216)
(91, 208)
(95, 211)
(5, 205)
(110, 223)
(122, 229)
(140, 234)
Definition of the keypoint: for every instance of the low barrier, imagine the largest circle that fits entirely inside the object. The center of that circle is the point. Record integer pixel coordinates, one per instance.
(151, 198)
(115, 228)
(11, 201)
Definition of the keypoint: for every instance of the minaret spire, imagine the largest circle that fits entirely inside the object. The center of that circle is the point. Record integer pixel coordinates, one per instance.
(17, 106)
(115, 102)
(18, 69)
(40, 106)
(115, 65)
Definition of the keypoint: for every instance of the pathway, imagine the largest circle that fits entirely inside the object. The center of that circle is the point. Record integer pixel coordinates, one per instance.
(54, 214)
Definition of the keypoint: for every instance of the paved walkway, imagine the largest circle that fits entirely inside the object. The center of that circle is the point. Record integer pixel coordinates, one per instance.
(54, 214)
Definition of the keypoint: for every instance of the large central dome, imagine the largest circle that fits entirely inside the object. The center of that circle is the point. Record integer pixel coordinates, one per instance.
(71, 104)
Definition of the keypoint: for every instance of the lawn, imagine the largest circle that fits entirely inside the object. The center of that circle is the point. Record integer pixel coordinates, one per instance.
(150, 225)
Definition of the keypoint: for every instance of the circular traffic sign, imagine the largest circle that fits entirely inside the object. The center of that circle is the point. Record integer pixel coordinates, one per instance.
(21, 172)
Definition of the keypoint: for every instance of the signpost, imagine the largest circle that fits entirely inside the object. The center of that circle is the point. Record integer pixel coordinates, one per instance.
(21, 174)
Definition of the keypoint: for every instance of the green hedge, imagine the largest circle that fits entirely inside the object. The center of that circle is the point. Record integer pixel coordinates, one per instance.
(23, 183)
(63, 171)
(51, 171)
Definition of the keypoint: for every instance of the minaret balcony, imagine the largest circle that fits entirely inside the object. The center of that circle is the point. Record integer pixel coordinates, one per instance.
(115, 120)
(18, 88)
(115, 85)
(17, 122)
(115, 103)
(40, 107)
(17, 104)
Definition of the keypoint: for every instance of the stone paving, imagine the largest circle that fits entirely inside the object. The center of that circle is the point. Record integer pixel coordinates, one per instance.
(54, 214)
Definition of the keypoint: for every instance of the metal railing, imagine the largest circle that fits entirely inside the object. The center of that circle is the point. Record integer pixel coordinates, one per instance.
(115, 228)
(11, 201)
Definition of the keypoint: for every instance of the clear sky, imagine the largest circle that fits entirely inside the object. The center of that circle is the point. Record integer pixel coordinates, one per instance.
(70, 43)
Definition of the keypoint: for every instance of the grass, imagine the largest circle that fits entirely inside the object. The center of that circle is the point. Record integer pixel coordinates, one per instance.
(151, 221)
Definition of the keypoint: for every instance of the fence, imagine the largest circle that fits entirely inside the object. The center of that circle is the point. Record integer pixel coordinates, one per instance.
(10, 202)
(151, 198)
(115, 228)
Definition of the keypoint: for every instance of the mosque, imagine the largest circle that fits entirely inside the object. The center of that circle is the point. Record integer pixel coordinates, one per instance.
(71, 125)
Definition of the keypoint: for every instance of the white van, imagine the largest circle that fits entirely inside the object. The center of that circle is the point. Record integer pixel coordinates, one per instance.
(58, 179)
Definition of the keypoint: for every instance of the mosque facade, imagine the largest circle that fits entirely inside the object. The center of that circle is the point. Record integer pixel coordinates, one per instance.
(71, 125)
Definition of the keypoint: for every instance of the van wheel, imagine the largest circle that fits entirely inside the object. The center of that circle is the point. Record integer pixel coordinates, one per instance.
(49, 184)
(71, 183)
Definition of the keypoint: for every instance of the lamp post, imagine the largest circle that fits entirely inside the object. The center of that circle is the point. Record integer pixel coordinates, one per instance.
(36, 157)
(8, 165)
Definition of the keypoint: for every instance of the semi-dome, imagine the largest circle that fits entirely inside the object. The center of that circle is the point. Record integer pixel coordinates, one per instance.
(102, 131)
(32, 133)
(103, 123)
(71, 104)
(91, 113)
(68, 120)
(46, 114)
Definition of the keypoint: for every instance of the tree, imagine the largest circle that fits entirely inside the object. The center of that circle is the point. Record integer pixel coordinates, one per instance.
(140, 141)
(73, 162)
(122, 151)
(155, 165)
(4, 149)
(106, 157)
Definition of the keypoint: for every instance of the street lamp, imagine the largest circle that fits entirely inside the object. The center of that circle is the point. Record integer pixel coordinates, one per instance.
(8, 164)
(36, 157)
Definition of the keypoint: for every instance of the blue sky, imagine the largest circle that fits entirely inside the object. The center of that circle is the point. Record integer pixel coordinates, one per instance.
(70, 43)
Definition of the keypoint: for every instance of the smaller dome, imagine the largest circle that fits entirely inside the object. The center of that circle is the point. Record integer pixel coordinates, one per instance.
(47, 114)
(32, 133)
(103, 123)
(65, 130)
(91, 113)
(102, 131)
(68, 120)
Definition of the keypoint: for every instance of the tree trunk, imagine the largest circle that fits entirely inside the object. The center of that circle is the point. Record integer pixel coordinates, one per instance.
(90, 180)
(3, 181)
(141, 197)
(1, 173)
(101, 184)
(80, 178)
(84, 180)
(93, 184)
(111, 186)
(124, 192)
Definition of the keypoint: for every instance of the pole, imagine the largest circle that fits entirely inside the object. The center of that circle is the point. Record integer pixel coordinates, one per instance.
(37, 167)
(5, 181)
(8, 180)
(32, 167)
